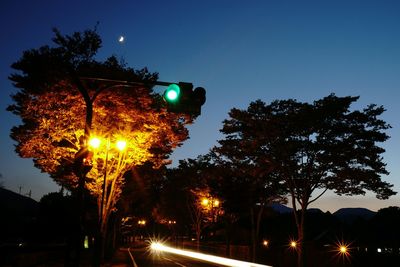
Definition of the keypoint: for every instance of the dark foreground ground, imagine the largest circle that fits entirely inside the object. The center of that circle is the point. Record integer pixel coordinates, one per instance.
(24, 256)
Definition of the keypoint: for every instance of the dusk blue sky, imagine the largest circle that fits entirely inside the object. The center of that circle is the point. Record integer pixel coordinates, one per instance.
(239, 51)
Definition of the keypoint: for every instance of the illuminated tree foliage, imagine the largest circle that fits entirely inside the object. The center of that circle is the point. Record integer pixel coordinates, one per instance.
(311, 148)
(65, 94)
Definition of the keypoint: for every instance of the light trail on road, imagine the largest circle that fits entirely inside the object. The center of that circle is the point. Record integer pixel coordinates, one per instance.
(158, 247)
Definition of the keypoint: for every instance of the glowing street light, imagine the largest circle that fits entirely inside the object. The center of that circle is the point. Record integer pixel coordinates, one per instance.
(293, 244)
(121, 145)
(211, 204)
(94, 142)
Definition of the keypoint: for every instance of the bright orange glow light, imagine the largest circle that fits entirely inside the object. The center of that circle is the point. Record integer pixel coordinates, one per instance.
(121, 145)
(94, 142)
(216, 203)
(343, 249)
(204, 201)
(293, 244)
(159, 247)
(265, 243)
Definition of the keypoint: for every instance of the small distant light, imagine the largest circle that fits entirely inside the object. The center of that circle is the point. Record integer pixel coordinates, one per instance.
(121, 39)
(86, 242)
(379, 250)
(343, 249)
(293, 244)
(265, 243)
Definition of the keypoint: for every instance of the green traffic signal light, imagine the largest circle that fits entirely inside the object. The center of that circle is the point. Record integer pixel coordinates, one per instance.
(172, 93)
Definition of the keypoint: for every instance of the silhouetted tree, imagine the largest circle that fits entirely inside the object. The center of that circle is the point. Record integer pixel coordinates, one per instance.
(311, 148)
(384, 228)
(56, 216)
(246, 180)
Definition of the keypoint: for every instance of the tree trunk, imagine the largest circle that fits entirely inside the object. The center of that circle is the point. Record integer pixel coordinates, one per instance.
(228, 235)
(255, 231)
(300, 233)
(253, 235)
(300, 230)
(198, 235)
(258, 223)
(100, 242)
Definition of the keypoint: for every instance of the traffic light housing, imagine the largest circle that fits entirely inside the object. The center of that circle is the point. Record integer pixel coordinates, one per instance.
(181, 98)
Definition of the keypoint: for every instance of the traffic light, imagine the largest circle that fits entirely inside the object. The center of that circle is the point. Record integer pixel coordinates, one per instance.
(181, 98)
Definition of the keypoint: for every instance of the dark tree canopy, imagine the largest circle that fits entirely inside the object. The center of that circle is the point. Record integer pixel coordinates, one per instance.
(322, 145)
(310, 148)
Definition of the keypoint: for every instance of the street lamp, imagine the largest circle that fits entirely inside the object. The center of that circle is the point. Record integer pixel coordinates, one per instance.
(95, 143)
(211, 204)
(142, 222)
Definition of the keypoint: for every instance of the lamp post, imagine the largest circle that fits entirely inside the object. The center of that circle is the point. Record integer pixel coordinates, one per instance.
(95, 144)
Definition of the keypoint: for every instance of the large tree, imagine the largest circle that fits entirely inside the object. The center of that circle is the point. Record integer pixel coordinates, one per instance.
(312, 148)
(65, 95)
(244, 180)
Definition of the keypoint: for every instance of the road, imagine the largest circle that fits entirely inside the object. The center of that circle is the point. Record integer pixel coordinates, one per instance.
(143, 258)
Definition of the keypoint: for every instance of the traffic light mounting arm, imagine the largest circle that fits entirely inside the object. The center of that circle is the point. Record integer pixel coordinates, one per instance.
(186, 100)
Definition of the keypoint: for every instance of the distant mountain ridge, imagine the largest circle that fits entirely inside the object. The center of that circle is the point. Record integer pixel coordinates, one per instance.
(342, 214)
(15, 204)
(349, 215)
(280, 208)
